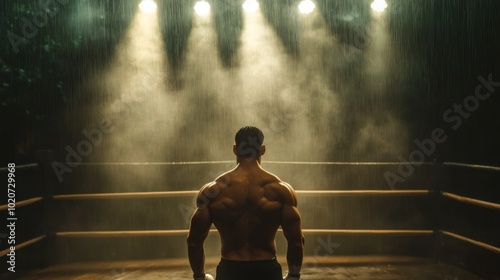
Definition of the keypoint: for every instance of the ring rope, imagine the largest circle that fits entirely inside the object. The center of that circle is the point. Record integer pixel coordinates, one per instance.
(21, 203)
(340, 163)
(472, 241)
(462, 199)
(474, 166)
(160, 163)
(264, 162)
(22, 245)
(193, 193)
(305, 231)
(125, 195)
(468, 200)
(389, 163)
(18, 167)
(186, 231)
(344, 163)
(364, 192)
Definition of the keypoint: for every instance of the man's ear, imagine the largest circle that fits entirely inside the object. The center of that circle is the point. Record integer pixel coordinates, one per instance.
(262, 150)
(235, 151)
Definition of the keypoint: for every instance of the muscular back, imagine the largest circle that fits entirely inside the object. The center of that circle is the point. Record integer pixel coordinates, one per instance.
(246, 206)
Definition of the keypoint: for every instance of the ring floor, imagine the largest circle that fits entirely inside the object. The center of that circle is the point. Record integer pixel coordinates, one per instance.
(359, 267)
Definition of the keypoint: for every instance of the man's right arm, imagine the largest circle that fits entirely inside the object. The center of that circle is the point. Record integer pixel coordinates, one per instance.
(292, 229)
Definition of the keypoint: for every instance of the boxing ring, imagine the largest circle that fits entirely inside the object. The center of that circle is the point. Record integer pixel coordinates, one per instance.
(409, 232)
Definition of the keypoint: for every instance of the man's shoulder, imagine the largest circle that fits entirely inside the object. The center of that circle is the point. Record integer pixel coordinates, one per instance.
(210, 187)
(221, 181)
(282, 188)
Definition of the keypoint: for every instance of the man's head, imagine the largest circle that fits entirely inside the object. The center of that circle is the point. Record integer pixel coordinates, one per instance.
(248, 143)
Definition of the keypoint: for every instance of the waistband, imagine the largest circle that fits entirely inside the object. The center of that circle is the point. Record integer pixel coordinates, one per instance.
(256, 262)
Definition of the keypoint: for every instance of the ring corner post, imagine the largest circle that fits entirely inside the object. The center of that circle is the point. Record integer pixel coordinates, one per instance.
(439, 184)
(44, 159)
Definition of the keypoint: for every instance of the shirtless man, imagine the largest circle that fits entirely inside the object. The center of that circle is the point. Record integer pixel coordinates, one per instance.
(247, 205)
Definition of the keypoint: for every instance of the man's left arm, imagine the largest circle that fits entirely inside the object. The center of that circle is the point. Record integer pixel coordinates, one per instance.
(198, 232)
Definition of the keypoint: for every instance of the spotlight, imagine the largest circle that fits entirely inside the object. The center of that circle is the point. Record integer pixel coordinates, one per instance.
(306, 7)
(379, 5)
(251, 6)
(148, 6)
(202, 7)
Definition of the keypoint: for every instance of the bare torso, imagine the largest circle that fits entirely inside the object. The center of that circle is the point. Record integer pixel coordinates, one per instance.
(245, 207)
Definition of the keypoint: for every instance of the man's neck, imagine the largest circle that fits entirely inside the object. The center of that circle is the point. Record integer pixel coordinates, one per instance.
(248, 163)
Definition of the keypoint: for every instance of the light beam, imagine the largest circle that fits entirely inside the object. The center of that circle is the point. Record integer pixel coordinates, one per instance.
(148, 6)
(202, 7)
(306, 7)
(251, 6)
(379, 6)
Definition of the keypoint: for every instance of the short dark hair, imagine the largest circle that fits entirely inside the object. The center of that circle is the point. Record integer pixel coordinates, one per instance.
(249, 141)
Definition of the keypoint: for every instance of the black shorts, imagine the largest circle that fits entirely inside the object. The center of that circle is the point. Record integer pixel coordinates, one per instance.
(249, 270)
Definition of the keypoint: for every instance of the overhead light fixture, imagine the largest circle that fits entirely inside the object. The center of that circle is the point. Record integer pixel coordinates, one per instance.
(306, 7)
(148, 6)
(202, 7)
(251, 5)
(379, 6)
